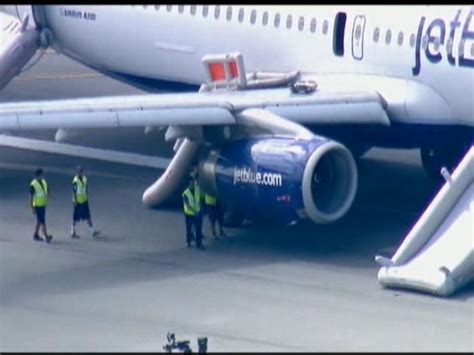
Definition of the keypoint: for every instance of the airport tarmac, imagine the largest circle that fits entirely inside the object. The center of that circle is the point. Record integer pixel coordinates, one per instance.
(304, 288)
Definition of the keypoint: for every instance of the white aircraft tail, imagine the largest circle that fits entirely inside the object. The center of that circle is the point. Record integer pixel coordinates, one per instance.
(437, 255)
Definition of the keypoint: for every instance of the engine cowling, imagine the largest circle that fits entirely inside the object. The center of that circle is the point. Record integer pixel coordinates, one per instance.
(282, 179)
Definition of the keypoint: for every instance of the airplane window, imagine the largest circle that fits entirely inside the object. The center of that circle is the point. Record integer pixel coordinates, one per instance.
(265, 18)
(424, 42)
(205, 10)
(241, 14)
(376, 34)
(412, 40)
(325, 27)
(180, 9)
(145, 6)
(277, 20)
(289, 22)
(229, 13)
(169, 7)
(472, 50)
(312, 26)
(400, 38)
(157, 7)
(388, 37)
(301, 23)
(193, 9)
(217, 11)
(253, 17)
(358, 32)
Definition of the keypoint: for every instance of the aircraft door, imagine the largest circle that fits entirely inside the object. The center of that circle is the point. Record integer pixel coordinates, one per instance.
(358, 37)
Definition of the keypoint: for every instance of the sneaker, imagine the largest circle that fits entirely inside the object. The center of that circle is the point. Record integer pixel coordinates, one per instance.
(37, 238)
(74, 236)
(49, 238)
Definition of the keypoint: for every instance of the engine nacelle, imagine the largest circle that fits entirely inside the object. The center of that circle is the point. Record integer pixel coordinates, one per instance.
(282, 179)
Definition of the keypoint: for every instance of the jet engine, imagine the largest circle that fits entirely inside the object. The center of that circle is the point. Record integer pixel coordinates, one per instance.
(282, 179)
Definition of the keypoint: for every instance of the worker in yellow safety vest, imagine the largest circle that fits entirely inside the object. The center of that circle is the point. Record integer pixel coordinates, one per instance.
(81, 203)
(199, 201)
(214, 212)
(38, 202)
(190, 209)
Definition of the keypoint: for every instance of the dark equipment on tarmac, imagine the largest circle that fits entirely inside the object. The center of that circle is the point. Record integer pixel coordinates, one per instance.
(202, 345)
(183, 345)
(173, 344)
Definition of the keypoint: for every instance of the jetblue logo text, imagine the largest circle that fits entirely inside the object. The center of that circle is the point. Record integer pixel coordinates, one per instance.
(438, 31)
(245, 175)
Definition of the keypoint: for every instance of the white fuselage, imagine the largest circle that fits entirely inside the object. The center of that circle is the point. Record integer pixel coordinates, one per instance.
(419, 58)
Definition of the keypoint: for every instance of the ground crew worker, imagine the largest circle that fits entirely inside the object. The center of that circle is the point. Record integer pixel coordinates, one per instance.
(214, 212)
(81, 203)
(189, 209)
(38, 203)
(198, 201)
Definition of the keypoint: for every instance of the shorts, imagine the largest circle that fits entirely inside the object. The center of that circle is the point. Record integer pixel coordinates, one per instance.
(81, 212)
(40, 215)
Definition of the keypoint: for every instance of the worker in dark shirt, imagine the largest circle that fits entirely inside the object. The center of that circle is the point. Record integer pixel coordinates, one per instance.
(81, 203)
(191, 211)
(38, 202)
(214, 212)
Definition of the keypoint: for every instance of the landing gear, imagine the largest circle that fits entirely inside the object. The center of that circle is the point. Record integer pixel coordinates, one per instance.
(434, 158)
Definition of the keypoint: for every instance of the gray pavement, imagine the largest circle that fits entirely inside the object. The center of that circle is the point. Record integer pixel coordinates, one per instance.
(304, 288)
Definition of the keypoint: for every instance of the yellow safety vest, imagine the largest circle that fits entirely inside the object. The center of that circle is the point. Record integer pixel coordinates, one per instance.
(189, 209)
(81, 189)
(197, 198)
(40, 195)
(210, 200)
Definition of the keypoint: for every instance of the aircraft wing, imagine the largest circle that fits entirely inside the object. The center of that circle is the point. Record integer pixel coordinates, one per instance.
(196, 109)
(84, 152)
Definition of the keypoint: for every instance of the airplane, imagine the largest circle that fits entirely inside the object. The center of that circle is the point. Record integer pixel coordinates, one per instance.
(273, 104)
